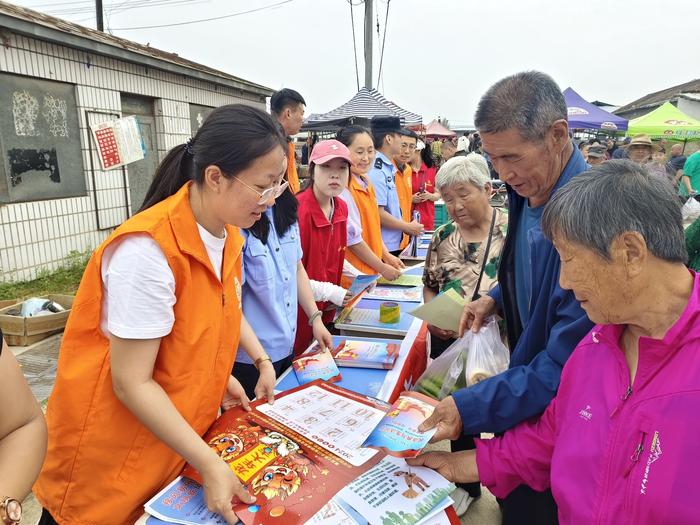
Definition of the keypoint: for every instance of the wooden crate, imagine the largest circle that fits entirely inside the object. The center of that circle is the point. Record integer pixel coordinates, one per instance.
(9, 302)
(23, 331)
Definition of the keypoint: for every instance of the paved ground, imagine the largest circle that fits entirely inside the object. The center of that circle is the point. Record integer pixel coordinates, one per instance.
(39, 360)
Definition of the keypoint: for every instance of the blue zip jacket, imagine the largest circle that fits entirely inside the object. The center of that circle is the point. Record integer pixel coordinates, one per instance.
(538, 353)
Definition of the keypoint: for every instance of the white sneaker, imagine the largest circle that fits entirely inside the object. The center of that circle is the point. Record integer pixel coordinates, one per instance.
(462, 500)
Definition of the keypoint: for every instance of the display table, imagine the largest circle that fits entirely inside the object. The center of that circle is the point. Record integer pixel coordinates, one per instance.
(382, 384)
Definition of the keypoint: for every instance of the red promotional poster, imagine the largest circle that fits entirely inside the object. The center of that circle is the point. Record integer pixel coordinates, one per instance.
(289, 466)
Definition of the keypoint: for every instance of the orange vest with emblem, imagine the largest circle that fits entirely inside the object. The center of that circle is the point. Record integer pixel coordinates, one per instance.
(404, 180)
(102, 464)
(366, 202)
(292, 175)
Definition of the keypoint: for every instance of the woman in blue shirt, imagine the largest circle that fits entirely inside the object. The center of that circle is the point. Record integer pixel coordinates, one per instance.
(275, 281)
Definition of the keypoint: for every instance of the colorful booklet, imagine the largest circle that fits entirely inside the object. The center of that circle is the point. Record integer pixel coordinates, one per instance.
(392, 493)
(183, 502)
(389, 293)
(316, 364)
(366, 354)
(295, 455)
(397, 433)
(357, 289)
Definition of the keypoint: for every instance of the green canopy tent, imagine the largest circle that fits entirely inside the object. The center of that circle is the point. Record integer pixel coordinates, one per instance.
(667, 122)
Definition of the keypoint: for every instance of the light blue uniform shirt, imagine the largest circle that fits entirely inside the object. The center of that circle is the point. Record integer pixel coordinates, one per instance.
(270, 289)
(382, 177)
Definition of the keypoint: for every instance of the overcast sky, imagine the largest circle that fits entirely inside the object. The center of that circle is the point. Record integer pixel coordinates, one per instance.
(440, 55)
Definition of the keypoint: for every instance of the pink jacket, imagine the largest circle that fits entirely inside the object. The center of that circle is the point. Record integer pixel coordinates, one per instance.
(614, 453)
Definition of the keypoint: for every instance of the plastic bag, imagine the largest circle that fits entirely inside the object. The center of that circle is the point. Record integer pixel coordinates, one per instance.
(446, 373)
(487, 354)
(691, 210)
(467, 361)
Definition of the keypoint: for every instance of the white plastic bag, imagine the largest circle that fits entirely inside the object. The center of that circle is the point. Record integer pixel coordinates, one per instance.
(691, 210)
(465, 362)
(445, 374)
(487, 355)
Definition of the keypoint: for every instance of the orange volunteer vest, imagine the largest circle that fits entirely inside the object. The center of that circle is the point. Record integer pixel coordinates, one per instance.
(366, 202)
(292, 175)
(102, 464)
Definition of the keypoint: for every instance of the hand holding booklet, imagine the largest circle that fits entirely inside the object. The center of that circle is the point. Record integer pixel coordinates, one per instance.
(296, 455)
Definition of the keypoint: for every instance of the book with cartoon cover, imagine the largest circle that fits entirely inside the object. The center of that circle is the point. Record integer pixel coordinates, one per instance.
(316, 364)
(366, 354)
(292, 472)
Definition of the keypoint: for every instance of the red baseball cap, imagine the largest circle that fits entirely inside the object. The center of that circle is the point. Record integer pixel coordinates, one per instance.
(328, 150)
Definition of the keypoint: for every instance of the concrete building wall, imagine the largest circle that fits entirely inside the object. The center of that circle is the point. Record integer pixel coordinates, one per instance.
(39, 235)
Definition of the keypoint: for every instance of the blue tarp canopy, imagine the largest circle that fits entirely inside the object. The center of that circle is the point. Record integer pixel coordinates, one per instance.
(584, 115)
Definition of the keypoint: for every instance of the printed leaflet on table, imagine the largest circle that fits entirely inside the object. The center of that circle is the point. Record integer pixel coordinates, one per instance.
(366, 354)
(316, 364)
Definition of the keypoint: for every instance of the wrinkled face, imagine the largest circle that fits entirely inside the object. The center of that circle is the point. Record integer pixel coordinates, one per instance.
(598, 284)
(639, 153)
(658, 156)
(408, 146)
(331, 178)
(466, 203)
(292, 119)
(361, 153)
(237, 202)
(531, 168)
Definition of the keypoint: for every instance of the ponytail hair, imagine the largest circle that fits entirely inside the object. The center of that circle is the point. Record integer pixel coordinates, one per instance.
(232, 137)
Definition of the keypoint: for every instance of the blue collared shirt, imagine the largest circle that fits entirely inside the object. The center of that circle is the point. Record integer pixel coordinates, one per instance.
(383, 179)
(270, 289)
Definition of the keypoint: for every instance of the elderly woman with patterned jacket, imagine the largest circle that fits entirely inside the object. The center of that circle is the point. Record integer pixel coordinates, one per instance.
(618, 443)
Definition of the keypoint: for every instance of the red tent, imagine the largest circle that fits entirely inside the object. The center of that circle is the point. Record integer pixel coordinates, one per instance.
(437, 130)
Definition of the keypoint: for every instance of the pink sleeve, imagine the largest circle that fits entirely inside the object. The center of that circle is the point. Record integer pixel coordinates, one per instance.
(522, 456)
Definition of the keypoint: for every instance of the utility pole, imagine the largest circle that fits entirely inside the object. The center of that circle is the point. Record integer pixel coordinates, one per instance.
(99, 13)
(368, 43)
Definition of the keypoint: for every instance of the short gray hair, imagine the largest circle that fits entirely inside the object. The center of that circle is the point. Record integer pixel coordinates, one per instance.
(530, 102)
(470, 168)
(615, 197)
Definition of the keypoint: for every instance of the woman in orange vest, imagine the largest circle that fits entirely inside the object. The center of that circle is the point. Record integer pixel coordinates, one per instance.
(366, 250)
(146, 357)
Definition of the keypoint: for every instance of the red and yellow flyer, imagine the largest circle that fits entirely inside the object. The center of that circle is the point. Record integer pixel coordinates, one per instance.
(296, 466)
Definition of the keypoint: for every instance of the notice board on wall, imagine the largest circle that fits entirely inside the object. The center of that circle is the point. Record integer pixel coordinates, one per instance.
(40, 145)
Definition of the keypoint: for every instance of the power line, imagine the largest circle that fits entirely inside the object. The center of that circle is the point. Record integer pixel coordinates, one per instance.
(354, 45)
(381, 56)
(204, 19)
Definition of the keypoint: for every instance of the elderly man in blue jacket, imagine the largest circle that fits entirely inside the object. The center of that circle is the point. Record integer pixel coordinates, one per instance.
(522, 121)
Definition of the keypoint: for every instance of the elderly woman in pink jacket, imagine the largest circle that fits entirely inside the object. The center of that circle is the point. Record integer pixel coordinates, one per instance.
(619, 442)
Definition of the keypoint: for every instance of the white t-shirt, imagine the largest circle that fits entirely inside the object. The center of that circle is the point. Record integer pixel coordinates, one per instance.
(139, 285)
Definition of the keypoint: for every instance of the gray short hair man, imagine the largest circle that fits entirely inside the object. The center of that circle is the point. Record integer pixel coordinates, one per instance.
(522, 121)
